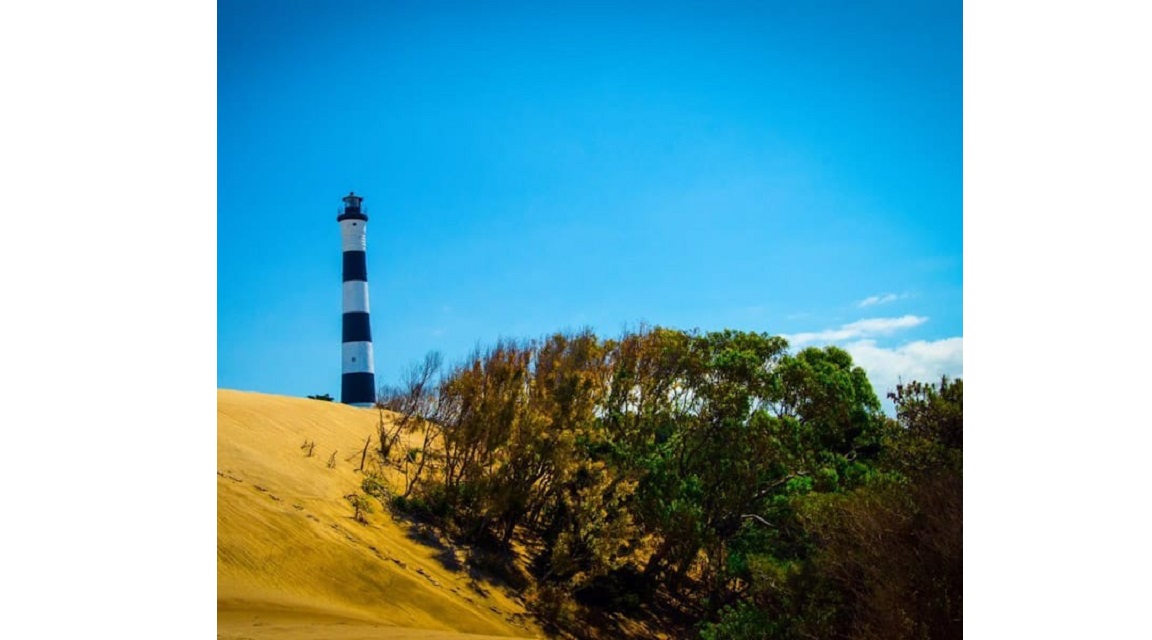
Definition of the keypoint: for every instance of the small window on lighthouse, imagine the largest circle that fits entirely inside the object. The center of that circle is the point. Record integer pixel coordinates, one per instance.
(353, 358)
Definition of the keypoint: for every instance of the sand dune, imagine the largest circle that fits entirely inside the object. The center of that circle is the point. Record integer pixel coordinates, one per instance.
(291, 561)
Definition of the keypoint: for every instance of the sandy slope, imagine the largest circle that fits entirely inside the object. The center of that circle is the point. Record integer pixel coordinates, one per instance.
(291, 562)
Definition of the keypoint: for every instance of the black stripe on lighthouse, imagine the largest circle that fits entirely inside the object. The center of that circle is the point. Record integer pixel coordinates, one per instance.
(358, 382)
(355, 266)
(356, 327)
(358, 388)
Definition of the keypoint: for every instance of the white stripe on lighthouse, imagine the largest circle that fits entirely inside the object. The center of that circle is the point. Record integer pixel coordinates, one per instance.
(358, 357)
(352, 234)
(355, 296)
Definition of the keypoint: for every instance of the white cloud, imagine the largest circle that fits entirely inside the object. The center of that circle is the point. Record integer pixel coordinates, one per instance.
(880, 299)
(857, 330)
(920, 360)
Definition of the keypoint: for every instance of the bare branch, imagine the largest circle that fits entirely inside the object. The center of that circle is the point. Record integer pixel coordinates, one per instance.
(753, 516)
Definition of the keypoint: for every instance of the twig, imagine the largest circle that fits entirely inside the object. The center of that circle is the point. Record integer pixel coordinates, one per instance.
(364, 454)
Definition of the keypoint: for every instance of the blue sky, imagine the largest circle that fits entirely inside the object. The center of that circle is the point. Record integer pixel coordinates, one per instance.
(787, 167)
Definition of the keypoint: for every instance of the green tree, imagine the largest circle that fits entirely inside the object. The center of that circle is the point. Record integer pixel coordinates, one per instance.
(883, 559)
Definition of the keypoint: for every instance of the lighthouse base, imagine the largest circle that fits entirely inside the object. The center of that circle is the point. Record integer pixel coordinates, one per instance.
(358, 389)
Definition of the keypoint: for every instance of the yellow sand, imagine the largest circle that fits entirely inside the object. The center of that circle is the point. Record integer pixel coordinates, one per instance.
(292, 563)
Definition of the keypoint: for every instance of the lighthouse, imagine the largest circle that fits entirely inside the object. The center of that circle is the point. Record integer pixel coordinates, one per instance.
(358, 380)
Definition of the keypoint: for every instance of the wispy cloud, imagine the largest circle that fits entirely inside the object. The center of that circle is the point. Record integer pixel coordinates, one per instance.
(880, 299)
(857, 330)
(920, 360)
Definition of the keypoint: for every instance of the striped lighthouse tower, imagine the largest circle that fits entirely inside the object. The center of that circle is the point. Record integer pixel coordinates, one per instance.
(358, 383)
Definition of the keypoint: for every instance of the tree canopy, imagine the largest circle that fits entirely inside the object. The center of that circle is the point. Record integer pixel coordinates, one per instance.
(763, 493)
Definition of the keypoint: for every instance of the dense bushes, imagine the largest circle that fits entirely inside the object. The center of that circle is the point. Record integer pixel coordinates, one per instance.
(763, 491)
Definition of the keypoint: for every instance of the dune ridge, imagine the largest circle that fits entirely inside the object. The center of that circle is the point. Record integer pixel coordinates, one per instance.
(291, 561)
